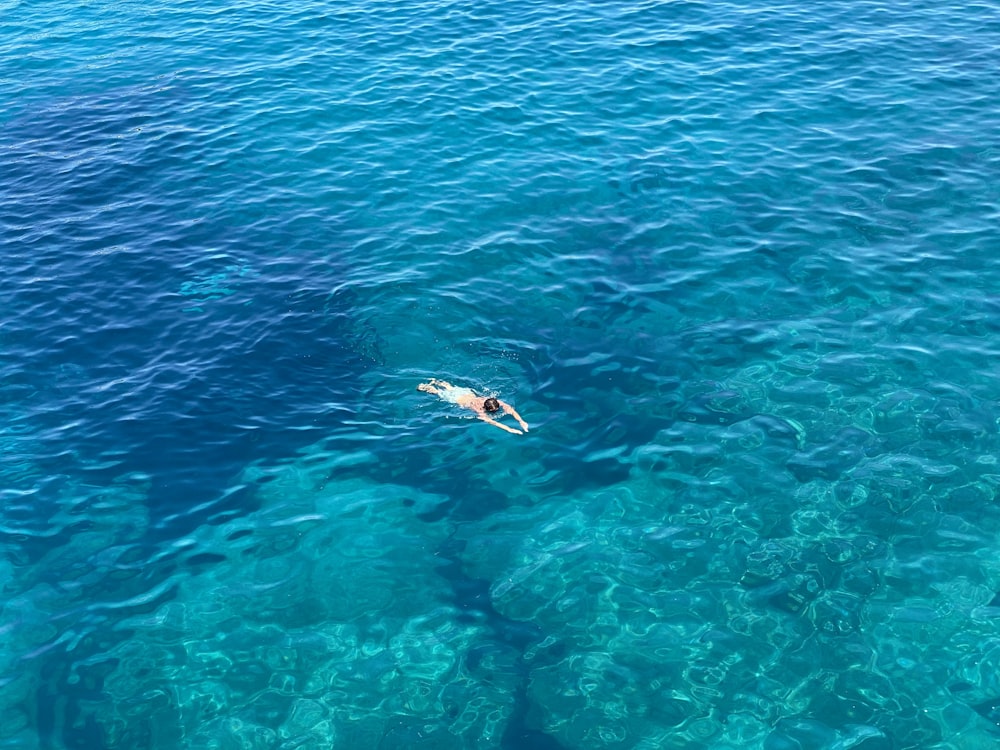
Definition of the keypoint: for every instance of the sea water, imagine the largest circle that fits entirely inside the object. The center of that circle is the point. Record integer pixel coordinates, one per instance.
(734, 262)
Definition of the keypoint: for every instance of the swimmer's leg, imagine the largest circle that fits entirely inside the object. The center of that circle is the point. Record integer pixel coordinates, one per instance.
(429, 388)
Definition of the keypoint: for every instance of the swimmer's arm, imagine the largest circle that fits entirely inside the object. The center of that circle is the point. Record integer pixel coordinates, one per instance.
(498, 424)
(508, 409)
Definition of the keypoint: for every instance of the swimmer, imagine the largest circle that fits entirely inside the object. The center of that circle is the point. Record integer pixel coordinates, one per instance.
(467, 398)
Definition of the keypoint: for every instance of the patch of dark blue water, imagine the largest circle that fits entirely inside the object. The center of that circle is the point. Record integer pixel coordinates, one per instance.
(29, 532)
(615, 387)
(188, 398)
(988, 709)
(472, 595)
(62, 719)
(561, 374)
(72, 684)
(468, 501)
(140, 339)
(831, 458)
(411, 462)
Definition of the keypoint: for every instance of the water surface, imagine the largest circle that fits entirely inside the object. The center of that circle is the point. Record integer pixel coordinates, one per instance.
(733, 262)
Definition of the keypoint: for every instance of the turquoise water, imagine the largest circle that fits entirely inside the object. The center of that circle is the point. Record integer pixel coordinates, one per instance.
(733, 262)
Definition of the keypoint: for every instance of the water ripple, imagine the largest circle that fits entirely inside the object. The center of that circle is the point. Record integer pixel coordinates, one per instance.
(734, 263)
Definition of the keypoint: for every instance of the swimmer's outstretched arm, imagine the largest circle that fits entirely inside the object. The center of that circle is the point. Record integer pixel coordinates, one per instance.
(508, 409)
(500, 425)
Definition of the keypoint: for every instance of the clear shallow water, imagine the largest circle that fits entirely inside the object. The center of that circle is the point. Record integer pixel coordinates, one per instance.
(733, 262)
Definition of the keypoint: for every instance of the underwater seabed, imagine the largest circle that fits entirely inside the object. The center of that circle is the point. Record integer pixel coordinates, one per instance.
(770, 573)
(63, 590)
(325, 624)
(683, 626)
(802, 554)
(675, 609)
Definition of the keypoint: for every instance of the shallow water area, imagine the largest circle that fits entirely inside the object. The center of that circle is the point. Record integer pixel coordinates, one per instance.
(733, 263)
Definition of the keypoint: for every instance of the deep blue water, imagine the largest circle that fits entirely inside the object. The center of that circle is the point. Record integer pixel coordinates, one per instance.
(735, 263)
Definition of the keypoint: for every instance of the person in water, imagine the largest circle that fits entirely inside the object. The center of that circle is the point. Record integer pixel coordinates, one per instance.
(482, 406)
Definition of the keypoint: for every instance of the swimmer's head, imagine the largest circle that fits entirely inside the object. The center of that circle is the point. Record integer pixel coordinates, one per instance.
(491, 404)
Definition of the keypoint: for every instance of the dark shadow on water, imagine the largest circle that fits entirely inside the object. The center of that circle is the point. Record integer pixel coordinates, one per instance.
(469, 498)
(601, 430)
(151, 325)
(190, 399)
(473, 595)
(56, 692)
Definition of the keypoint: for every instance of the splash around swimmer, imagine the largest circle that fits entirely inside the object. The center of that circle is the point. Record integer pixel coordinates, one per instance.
(467, 398)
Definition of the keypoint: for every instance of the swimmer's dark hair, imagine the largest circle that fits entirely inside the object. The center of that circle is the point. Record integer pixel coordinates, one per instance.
(491, 404)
